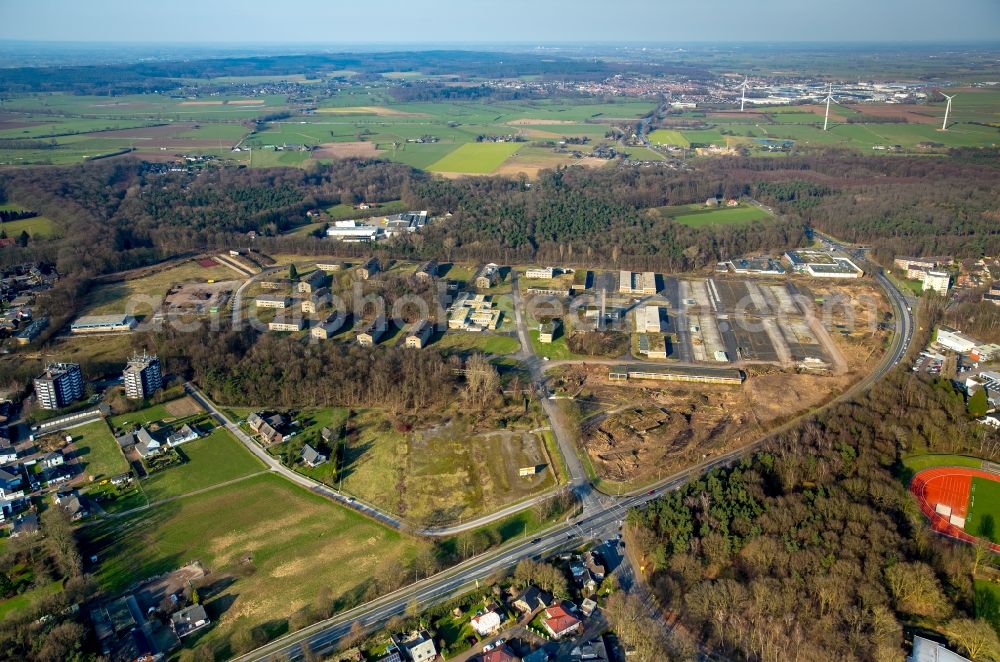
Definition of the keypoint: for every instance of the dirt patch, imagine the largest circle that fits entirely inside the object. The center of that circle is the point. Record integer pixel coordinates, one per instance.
(911, 114)
(527, 121)
(246, 102)
(207, 262)
(370, 110)
(200, 103)
(199, 298)
(345, 150)
(182, 407)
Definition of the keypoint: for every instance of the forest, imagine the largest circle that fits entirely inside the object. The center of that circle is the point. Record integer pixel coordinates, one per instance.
(813, 549)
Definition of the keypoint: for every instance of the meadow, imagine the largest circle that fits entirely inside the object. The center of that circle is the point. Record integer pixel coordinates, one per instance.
(97, 449)
(271, 548)
(696, 215)
(479, 158)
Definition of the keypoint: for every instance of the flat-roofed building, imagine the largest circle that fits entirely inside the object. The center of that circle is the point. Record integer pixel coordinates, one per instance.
(285, 325)
(25, 335)
(327, 328)
(915, 267)
(647, 319)
(937, 281)
(652, 347)
(540, 273)
(418, 334)
(142, 376)
(360, 234)
(272, 301)
(371, 332)
(841, 268)
(634, 282)
(955, 340)
(703, 375)
(547, 332)
(276, 284)
(103, 324)
(59, 385)
(329, 266)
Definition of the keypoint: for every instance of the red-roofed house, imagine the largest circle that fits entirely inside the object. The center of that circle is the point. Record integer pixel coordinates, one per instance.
(501, 654)
(560, 623)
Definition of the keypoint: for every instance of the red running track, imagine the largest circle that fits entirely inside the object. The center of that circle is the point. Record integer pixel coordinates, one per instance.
(950, 486)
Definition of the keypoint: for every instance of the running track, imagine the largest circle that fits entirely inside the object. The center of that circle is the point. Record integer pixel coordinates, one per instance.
(950, 486)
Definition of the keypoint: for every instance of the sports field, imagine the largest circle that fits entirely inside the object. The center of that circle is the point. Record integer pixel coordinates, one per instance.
(698, 215)
(475, 158)
(983, 518)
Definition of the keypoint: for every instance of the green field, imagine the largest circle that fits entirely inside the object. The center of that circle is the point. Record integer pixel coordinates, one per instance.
(668, 137)
(983, 518)
(20, 602)
(476, 158)
(917, 463)
(99, 451)
(459, 341)
(298, 544)
(216, 458)
(698, 215)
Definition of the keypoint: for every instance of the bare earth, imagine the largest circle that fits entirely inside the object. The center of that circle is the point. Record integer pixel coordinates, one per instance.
(345, 150)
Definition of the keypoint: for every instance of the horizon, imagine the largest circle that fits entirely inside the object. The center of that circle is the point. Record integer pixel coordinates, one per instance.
(515, 22)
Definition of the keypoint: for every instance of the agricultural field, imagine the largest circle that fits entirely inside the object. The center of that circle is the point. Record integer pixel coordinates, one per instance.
(477, 158)
(441, 474)
(270, 546)
(214, 459)
(668, 137)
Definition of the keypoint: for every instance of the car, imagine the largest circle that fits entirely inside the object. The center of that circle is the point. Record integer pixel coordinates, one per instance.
(487, 648)
(536, 541)
(351, 499)
(651, 492)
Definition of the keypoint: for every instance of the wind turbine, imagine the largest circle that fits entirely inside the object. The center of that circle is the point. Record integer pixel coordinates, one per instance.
(829, 98)
(947, 109)
(745, 85)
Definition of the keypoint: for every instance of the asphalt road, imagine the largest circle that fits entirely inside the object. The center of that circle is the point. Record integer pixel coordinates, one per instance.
(599, 520)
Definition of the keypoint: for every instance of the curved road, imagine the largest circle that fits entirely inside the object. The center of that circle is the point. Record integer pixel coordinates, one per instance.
(600, 518)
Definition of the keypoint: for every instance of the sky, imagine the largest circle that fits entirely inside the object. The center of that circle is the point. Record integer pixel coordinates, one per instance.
(411, 23)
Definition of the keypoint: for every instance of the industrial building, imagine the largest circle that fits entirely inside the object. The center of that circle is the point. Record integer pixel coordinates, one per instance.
(647, 319)
(103, 324)
(937, 281)
(59, 385)
(406, 222)
(633, 282)
(955, 340)
(272, 301)
(142, 376)
(821, 264)
(706, 375)
(357, 234)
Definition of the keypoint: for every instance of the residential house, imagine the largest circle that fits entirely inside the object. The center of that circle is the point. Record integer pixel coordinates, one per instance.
(416, 647)
(328, 327)
(56, 475)
(10, 484)
(185, 434)
(501, 653)
(368, 269)
(925, 650)
(594, 565)
(392, 656)
(530, 599)
(419, 334)
(560, 623)
(311, 457)
(278, 301)
(25, 525)
(121, 479)
(317, 300)
(73, 503)
(268, 428)
(594, 650)
(371, 332)
(537, 655)
(487, 622)
(313, 281)
(587, 607)
(146, 445)
(53, 459)
(427, 270)
(8, 453)
(993, 296)
(189, 619)
(487, 277)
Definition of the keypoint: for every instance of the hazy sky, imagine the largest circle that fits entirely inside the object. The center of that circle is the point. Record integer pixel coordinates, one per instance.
(413, 22)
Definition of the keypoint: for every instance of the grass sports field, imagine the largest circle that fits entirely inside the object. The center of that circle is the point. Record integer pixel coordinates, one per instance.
(271, 548)
(697, 215)
(668, 137)
(983, 519)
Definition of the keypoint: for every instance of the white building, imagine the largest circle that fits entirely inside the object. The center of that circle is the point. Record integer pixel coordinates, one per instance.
(355, 234)
(938, 281)
(540, 273)
(647, 319)
(955, 340)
